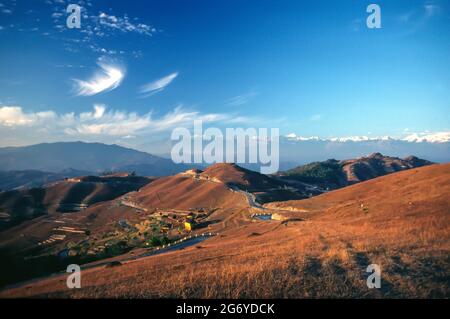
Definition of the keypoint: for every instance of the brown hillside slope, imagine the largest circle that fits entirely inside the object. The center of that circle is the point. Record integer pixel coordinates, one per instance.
(400, 222)
(66, 195)
(376, 164)
(264, 188)
(184, 192)
(334, 174)
(234, 175)
(24, 246)
(421, 189)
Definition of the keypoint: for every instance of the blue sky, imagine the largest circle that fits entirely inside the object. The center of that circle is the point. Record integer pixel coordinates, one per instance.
(312, 68)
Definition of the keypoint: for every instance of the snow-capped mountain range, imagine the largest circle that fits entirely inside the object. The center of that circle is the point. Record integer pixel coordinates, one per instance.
(437, 137)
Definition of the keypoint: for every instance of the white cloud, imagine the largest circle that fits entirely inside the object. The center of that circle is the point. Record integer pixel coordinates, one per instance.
(12, 116)
(100, 122)
(99, 111)
(123, 24)
(107, 79)
(291, 135)
(158, 85)
(95, 27)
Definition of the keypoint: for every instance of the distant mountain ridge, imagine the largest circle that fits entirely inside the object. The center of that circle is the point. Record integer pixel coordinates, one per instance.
(32, 178)
(334, 174)
(91, 157)
(312, 150)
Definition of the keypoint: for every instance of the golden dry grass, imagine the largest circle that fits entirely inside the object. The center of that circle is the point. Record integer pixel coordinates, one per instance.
(400, 222)
(180, 192)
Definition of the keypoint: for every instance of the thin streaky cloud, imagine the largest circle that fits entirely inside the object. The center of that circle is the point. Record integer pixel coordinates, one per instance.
(241, 99)
(107, 79)
(157, 85)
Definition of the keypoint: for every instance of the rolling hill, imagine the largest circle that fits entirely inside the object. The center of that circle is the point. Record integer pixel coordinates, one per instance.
(320, 249)
(332, 174)
(234, 175)
(69, 195)
(183, 191)
(216, 186)
(42, 227)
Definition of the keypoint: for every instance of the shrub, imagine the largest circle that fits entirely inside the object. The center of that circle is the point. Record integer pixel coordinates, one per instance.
(155, 241)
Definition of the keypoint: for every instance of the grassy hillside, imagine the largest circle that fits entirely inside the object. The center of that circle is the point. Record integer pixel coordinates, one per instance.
(327, 173)
(18, 206)
(321, 249)
(334, 174)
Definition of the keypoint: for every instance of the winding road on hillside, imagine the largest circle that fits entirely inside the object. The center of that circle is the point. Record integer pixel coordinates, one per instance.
(251, 199)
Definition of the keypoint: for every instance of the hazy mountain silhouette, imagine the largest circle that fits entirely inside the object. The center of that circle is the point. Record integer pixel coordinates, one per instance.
(92, 157)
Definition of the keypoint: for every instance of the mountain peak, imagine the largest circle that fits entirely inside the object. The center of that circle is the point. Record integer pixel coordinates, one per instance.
(376, 155)
(233, 174)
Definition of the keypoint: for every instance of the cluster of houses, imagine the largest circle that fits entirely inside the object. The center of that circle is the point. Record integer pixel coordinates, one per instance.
(166, 222)
(53, 238)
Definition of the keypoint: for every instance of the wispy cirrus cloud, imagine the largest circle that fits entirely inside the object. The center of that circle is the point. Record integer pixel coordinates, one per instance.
(241, 99)
(157, 85)
(108, 78)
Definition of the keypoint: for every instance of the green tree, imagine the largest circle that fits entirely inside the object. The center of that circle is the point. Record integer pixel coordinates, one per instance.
(165, 240)
(155, 241)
